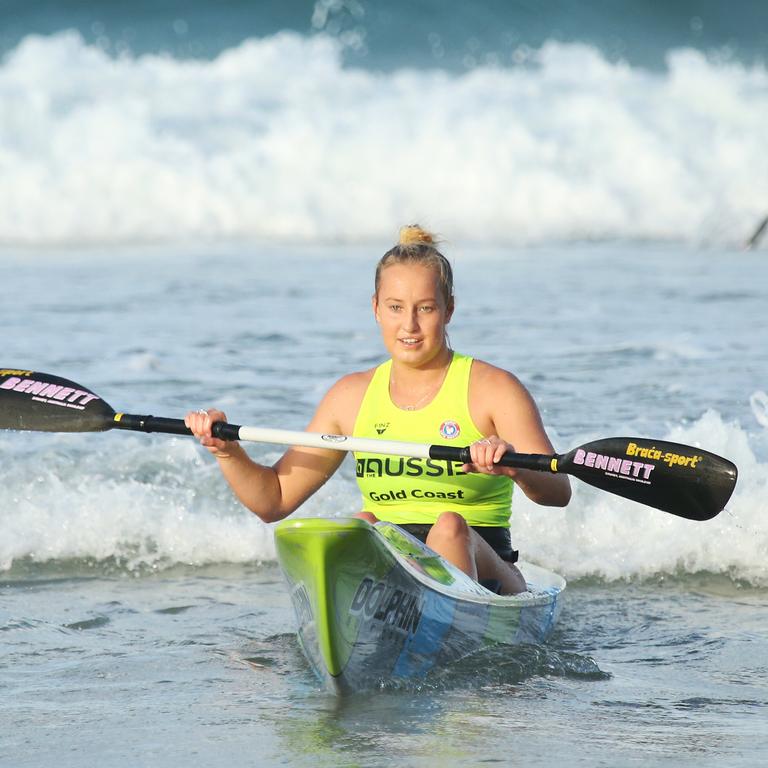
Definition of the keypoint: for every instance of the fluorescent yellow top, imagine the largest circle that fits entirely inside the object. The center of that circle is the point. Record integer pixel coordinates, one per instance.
(407, 490)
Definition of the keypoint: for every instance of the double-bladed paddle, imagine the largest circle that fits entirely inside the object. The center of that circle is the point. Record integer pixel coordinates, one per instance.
(679, 479)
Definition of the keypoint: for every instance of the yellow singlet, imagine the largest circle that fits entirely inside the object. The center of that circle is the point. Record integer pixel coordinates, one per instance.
(407, 490)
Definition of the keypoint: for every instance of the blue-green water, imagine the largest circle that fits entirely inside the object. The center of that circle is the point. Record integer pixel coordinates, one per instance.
(396, 34)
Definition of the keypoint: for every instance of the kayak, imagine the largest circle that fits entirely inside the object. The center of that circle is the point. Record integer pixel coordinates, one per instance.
(374, 604)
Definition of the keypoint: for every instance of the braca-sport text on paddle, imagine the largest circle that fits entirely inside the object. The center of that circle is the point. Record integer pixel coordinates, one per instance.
(680, 479)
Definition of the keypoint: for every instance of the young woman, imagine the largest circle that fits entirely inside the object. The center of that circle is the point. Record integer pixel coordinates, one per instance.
(425, 393)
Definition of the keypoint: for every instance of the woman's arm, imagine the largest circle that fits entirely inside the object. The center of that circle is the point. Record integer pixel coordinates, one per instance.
(275, 492)
(503, 409)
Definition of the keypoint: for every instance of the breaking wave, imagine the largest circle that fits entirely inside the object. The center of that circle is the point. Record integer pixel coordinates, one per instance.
(277, 139)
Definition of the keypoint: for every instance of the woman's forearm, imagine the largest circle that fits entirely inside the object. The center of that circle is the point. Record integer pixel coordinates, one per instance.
(256, 486)
(542, 488)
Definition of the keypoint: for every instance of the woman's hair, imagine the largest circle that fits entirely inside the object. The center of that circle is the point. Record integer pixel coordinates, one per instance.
(417, 246)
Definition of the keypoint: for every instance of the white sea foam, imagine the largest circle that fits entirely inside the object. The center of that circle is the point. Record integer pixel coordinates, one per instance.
(160, 503)
(141, 506)
(275, 139)
(759, 402)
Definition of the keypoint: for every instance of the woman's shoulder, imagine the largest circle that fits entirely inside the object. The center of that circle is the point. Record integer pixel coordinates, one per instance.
(352, 383)
(488, 376)
(342, 401)
(500, 404)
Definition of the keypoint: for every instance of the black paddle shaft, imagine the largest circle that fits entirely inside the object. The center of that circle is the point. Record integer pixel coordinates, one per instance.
(221, 429)
(535, 461)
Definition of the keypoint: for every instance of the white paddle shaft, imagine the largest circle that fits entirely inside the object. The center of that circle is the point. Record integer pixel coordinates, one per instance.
(334, 442)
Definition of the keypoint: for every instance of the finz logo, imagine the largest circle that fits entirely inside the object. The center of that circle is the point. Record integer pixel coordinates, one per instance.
(381, 427)
(450, 430)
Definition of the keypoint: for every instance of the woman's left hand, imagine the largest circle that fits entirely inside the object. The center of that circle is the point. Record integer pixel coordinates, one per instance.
(485, 453)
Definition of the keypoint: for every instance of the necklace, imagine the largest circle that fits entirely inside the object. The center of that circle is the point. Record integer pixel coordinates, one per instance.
(431, 391)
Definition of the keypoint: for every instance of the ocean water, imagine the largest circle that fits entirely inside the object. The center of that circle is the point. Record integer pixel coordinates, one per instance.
(191, 207)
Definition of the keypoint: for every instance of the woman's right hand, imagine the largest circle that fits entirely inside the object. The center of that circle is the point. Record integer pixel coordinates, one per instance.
(199, 422)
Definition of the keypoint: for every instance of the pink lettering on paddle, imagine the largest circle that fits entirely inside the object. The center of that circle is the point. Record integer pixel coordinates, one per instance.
(47, 390)
(613, 465)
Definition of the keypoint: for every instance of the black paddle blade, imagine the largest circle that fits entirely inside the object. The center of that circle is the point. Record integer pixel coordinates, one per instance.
(39, 402)
(679, 479)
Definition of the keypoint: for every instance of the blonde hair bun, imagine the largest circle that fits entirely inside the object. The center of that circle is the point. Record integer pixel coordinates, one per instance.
(413, 234)
(417, 246)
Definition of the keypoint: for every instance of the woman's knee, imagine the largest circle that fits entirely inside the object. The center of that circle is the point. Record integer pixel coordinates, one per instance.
(450, 526)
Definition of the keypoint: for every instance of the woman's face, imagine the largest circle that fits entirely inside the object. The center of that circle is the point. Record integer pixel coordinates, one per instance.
(412, 313)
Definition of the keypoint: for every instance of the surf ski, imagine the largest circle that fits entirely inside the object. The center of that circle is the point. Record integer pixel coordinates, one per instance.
(374, 604)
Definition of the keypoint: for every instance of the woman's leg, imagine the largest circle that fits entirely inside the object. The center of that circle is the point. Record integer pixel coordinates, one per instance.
(491, 566)
(452, 538)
